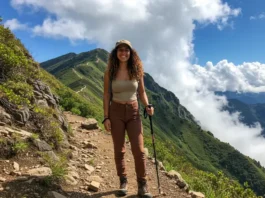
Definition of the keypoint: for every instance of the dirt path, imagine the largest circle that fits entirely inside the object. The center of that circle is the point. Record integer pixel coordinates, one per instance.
(92, 159)
(104, 158)
(77, 73)
(81, 89)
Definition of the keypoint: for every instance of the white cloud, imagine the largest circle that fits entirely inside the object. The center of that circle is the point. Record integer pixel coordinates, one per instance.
(14, 24)
(225, 76)
(51, 28)
(260, 16)
(162, 33)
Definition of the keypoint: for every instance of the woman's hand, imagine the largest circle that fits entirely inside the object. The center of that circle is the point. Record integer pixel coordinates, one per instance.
(107, 125)
(150, 110)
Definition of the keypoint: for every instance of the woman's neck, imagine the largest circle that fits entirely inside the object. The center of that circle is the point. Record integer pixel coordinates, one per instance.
(123, 65)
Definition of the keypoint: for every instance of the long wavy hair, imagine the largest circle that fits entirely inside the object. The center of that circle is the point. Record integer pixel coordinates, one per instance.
(135, 66)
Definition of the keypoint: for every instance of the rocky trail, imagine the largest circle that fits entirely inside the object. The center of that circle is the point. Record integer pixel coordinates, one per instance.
(91, 170)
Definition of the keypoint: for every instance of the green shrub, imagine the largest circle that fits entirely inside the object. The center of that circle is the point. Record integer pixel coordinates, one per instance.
(59, 168)
(20, 147)
(75, 111)
(18, 93)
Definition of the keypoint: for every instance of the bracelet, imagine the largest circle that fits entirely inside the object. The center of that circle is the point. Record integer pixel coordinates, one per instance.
(149, 106)
(105, 119)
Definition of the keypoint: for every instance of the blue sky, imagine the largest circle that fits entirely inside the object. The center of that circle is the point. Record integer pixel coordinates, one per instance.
(245, 41)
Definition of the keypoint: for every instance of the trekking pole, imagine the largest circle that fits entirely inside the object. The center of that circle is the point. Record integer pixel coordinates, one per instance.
(153, 141)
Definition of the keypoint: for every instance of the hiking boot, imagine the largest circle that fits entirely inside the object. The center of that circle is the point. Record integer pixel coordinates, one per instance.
(123, 186)
(143, 189)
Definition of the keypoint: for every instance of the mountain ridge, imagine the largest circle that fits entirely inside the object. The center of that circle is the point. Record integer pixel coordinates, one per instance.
(249, 113)
(246, 97)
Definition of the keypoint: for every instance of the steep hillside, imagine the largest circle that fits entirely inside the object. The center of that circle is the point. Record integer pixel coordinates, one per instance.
(33, 129)
(181, 143)
(250, 113)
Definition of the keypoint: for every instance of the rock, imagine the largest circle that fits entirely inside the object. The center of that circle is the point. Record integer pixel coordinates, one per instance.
(95, 178)
(21, 115)
(90, 124)
(179, 180)
(70, 180)
(73, 147)
(160, 164)
(181, 183)
(51, 101)
(4, 132)
(89, 145)
(74, 155)
(22, 178)
(186, 188)
(42, 103)
(4, 114)
(42, 171)
(64, 123)
(89, 168)
(64, 143)
(52, 156)
(53, 194)
(30, 181)
(197, 195)
(174, 174)
(42, 145)
(15, 173)
(2, 179)
(94, 186)
(16, 166)
(74, 174)
(83, 156)
(37, 94)
(19, 132)
(2, 123)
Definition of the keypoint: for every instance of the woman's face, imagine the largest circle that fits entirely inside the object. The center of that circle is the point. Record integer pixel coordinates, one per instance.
(123, 53)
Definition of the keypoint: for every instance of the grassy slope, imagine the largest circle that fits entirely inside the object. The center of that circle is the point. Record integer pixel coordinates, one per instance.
(184, 136)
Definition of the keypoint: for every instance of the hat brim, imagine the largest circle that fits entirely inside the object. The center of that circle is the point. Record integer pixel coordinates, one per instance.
(123, 44)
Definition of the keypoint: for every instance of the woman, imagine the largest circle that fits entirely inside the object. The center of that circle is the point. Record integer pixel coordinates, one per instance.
(123, 81)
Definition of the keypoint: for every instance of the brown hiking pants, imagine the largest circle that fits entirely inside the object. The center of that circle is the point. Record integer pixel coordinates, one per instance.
(126, 117)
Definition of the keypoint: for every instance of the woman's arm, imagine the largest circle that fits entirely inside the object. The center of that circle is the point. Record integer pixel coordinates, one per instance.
(142, 93)
(106, 95)
(144, 98)
(106, 101)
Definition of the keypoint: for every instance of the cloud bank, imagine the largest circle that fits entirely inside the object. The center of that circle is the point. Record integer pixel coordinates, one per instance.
(225, 76)
(162, 33)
